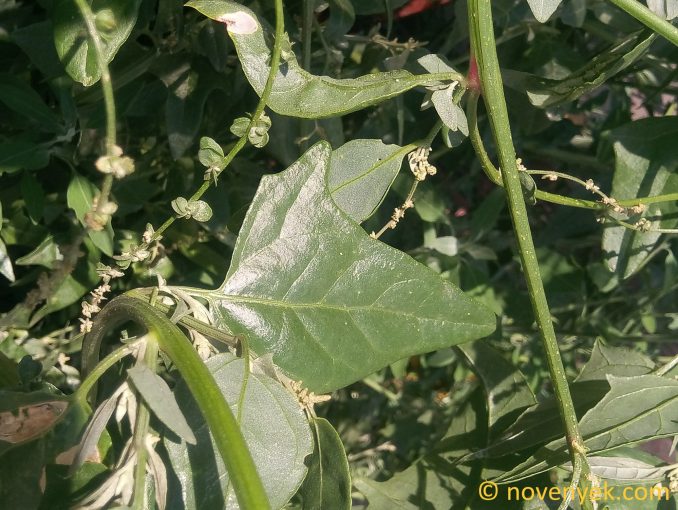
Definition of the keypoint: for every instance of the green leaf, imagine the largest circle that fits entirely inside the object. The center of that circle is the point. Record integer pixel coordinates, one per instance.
(544, 92)
(21, 98)
(618, 361)
(450, 113)
(296, 92)
(6, 269)
(114, 21)
(542, 9)
(331, 304)
(161, 400)
(37, 42)
(33, 195)
(505, 386)
(211, 155)
(646, 164)
(79, 197)
(542, 422)
(342, 17)
(328, 482)
(635, 409)
(274, 427)
(21, 154)
(189, 85)
(361, 173)
(45, 254)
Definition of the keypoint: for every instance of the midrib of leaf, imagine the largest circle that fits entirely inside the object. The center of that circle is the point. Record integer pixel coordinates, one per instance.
(398, 154)
(234, 298)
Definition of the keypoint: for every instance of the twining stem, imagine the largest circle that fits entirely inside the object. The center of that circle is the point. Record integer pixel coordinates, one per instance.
(489, 80)
(265, 95)
(107, 89)
(222, 424)
(494, 174)
(649, 19)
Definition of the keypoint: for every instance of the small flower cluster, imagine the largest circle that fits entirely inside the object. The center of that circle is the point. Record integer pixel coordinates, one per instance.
(100, 214)
(116, 164)
(307, 399)
(643, 224)
(613, 204)
(418, 160)
(106, 273)
(134, 254)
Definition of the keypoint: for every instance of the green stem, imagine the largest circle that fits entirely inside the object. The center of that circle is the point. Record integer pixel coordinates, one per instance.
(485, 51)
(93, 377)
(649, 19)
(275, 64)
(107, 88)
(494, 175)
(218, 415)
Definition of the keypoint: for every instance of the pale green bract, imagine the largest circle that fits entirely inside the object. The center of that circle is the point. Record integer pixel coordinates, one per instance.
(296, 92)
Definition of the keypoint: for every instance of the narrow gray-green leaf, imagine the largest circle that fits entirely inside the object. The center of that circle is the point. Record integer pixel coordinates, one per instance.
(6, 268)
(161, 400)
(666, 9)
(450, 113)
(542, 9)
(646, 164)
(331, 304)
(361, 173)
(544, 92)
(296, 92)
(635, 409)
(328, 482)
(435, 64)
(72, 41)
(273, 425)
(505, 386)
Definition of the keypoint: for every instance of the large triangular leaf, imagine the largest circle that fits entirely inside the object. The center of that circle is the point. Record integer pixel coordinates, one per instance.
(635, 409)
(331, 304)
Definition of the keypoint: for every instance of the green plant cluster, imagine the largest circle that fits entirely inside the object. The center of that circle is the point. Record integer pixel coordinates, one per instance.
(335, 254)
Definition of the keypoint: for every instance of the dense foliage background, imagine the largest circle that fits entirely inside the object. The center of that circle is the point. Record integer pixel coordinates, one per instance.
(176, 78)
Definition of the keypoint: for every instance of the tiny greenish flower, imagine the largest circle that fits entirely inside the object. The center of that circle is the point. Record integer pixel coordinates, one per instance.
(258, 133)
(196, 209)
(116, 164)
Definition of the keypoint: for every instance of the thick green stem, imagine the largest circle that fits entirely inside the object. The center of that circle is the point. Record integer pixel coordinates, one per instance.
(649, 19)
(489, 80)
(218, 415)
